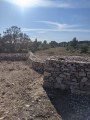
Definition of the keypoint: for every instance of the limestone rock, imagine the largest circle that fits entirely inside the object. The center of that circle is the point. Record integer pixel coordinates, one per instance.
(84, 79)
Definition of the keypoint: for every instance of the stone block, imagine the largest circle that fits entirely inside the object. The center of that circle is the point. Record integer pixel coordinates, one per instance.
(88, 73)
(74, 80)
(48, 84)
(88, 76)
(62, 75)
(47, 74)
(82, 74)
(84, 79)
(87, 69)
(51, 79)
(60, 86)
(59, 80)
(87, 82)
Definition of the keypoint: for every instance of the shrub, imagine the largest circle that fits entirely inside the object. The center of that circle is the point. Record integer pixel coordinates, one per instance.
(84, 49)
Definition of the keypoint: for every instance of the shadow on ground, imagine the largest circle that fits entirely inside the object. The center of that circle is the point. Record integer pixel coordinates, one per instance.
(70, 107)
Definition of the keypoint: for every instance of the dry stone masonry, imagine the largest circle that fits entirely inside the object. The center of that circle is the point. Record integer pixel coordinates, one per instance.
(36, 63)
(68, 73)
(14, 56)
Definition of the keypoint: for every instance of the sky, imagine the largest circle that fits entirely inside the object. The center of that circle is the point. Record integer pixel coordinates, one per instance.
(59, 20)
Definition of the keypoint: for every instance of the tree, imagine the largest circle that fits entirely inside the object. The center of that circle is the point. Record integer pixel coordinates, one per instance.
(63, 44)
(84, 49)
(34, 46)
(54, 44)
(13, 33)
(0, 36)
(13, 40)
(45, 45)
(74, 43)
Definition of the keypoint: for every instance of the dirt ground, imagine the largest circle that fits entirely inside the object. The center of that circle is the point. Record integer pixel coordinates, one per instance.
(22, 96)
(58, 51)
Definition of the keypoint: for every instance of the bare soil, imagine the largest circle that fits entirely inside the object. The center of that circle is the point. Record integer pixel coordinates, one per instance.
(22, 96)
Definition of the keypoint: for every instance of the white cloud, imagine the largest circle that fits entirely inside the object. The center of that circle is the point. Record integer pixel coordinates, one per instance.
(57, 4)
(56, 27)
(38, 30)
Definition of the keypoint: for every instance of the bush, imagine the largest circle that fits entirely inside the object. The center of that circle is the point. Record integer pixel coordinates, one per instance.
(84, 49)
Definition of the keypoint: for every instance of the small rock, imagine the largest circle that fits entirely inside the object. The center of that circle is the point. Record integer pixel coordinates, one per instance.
(84, 79)
(27, 105)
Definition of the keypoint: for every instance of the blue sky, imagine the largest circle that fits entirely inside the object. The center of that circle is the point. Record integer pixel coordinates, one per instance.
(59, 20)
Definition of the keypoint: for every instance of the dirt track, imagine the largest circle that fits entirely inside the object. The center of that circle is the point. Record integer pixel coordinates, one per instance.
(22, 96)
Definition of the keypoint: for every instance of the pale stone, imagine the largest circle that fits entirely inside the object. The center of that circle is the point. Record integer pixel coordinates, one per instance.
(84, 79)
(62, 76)
(64, 69)
(47, 74)
(74, 80)
(68, 74)
(27, 105)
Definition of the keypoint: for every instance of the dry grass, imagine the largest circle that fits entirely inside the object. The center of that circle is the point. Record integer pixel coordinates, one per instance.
(59, 51)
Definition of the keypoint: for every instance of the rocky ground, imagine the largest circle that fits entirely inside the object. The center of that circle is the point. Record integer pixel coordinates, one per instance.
(59, 51)
(22, 96)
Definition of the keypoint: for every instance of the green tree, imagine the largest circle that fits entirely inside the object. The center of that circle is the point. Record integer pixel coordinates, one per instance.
(74, 43)
(84, 49)
(54, 44)
(0, 36)
(13, 32)
(14, 40)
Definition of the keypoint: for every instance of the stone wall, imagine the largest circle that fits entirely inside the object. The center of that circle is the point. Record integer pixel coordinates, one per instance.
(70, 73)
(67, 73)
(14, 56)
(36, 63)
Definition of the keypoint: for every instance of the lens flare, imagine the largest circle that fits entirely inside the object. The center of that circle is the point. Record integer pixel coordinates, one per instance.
(24, 3)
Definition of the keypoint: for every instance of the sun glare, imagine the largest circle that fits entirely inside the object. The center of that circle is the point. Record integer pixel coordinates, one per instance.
(25, 3)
